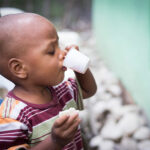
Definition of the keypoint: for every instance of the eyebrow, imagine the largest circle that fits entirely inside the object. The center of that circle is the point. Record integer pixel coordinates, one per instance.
(50, 44)
(55, 40)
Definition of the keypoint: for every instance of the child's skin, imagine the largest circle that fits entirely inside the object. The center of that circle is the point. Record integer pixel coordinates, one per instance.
(31, 58)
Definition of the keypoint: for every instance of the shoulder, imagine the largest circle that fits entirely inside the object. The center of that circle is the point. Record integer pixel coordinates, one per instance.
(68, 84)
(67, 90)
(11, 108)
(10, 114)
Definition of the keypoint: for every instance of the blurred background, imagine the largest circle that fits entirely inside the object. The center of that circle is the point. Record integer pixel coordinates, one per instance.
(64, 13)
(115, 35)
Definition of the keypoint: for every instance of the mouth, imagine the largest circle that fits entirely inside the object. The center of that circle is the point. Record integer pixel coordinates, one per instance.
(64, 68)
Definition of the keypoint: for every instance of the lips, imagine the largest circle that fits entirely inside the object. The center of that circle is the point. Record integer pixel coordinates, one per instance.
(64, 68)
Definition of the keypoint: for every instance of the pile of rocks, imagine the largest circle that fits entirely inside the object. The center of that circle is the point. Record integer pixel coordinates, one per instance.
(108, 123)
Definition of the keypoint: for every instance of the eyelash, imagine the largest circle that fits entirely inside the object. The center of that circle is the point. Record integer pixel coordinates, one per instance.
(51, 52)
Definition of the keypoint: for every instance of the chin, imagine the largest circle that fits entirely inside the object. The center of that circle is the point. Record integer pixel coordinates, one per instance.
(61, 80)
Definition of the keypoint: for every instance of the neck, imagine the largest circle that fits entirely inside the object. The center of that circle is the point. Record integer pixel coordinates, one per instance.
(35, 95)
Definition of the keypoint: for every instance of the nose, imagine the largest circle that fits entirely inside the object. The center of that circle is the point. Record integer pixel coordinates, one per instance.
(62, 54)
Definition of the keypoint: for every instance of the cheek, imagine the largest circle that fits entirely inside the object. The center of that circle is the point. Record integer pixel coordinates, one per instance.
(53, 69)
(45, 67)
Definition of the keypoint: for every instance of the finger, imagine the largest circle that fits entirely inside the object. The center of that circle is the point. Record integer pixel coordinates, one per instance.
(75, 126)
(72, 129)
(66, 124)
(65, 51)
(72, 119)
(70, 46)
(60, 121)
(67, 48)
(72, 123)
(74, 115)
(62, 55)
(76, 47)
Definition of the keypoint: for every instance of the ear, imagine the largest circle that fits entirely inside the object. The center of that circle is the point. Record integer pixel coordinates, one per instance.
(17, 68)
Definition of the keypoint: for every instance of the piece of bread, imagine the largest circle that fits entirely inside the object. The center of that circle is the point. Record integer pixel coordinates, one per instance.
(69, 111)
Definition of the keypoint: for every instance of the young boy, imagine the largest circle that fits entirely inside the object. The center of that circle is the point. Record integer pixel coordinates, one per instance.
(31, 58)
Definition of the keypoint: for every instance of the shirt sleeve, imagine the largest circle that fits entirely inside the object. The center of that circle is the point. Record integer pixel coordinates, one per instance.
(13, 134)
(74, 88)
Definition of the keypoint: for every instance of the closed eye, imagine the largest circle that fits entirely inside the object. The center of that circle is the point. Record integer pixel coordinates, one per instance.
(52, 52)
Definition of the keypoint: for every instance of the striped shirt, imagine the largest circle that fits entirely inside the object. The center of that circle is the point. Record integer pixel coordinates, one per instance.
(24, 124)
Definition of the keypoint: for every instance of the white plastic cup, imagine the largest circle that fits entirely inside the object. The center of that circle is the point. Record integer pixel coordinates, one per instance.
(76, 61)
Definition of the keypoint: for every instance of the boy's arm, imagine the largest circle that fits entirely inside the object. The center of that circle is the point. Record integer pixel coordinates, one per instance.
(87, 83)
(63, 132)
(47, 144)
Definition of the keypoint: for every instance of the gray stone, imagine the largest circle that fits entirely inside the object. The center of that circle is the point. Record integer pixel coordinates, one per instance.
(128, 144)
(144, 145)
(84, 116)
(130, 123)
(142, 133)
(122, 110)
(111, 131)
(95, 141)
(114, 89)
(106, 145)
(130, 108)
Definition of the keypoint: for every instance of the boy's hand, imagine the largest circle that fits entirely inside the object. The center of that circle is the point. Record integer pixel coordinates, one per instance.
(64, 129)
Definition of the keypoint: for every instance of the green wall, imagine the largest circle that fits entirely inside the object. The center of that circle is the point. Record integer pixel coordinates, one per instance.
(122, 29)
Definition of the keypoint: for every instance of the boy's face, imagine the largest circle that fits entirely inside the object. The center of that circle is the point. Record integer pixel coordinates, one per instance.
(43, 58)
